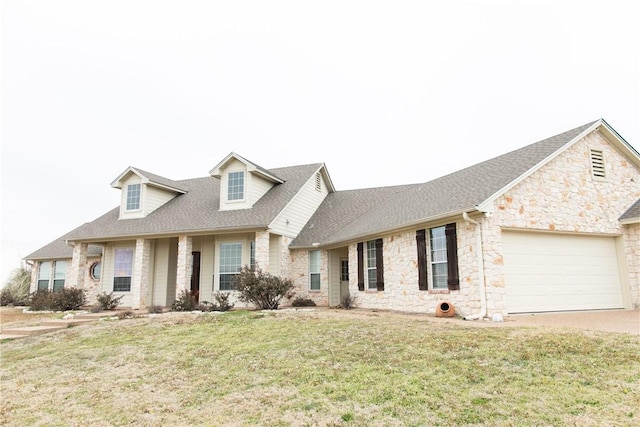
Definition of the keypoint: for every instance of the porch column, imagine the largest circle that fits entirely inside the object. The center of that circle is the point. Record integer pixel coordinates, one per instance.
(140, 279)
(262, 250)
(183, 274)
(75, 274)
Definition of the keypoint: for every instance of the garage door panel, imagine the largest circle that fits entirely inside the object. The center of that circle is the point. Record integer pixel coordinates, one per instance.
(547, 272)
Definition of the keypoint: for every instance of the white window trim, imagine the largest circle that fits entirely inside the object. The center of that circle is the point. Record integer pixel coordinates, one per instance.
(318, 272)
(245, 241)
(431, 262)
(126, 198)
(369, 268)
(244, 187)
(51, 279)
(133, 260)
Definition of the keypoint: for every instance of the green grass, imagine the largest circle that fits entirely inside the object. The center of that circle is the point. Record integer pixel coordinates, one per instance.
(328, 368)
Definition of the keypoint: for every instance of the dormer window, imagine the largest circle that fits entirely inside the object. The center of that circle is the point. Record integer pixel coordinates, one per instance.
(235, 186)
(133, 197)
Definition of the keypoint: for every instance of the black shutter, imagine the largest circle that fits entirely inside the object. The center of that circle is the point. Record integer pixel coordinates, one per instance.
(379, 266)
(453, 282)
(423, 277)
(360, 267)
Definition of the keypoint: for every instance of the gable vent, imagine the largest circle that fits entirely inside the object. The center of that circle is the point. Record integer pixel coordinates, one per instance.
(318, 182)
(597, 164)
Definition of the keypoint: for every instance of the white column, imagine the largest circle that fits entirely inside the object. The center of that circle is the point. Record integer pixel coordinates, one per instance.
(75, 274)
(183, 274)
(262, 250)
(140, 279)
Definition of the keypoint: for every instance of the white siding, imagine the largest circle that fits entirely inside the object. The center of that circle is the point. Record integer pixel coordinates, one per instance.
(172, 271)
(334, 278)
(296, 214)
(107, 270)
(206, 268)
(161, 273)
(234, 166)
(258, 187)
(153, 198)
(124, 214)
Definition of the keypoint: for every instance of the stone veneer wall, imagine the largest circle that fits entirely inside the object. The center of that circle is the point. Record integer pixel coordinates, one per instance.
(401, 276)
(632, 255)
(91, 286)
(299, 273)
(562, 196)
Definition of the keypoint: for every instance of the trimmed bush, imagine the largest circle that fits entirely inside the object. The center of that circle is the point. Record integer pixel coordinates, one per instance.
(348, 302)
(185, 302)
(222, 299)
(303, 302)
(108, 301)
(60, 300)
(263, 290)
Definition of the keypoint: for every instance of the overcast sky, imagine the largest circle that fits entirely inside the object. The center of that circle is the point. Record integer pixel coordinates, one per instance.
(382, 92)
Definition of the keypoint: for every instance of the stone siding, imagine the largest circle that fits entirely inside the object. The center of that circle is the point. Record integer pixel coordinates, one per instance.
(299, 273)
(562, 196)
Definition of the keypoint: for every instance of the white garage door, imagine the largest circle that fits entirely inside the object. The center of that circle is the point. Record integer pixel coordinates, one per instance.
(549, 272)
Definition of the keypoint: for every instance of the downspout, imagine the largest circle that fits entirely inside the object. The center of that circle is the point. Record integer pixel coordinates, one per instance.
(483, 285)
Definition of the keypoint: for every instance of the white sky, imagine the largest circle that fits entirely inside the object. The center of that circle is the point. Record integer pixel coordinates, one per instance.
(383, 92)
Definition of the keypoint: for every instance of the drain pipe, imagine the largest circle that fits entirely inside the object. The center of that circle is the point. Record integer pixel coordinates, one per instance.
(483, 285)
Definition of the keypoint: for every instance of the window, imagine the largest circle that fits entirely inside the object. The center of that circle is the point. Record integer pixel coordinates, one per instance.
(230, 264)
(59, 272)
(44, 275)
(438, 245)
(95, 270)
(597, 164)
(439, 263)
(314, 270)
(344, 270)
(123, 270)
(252, 255)
(235, 189)
(371, 265)
(133, 197)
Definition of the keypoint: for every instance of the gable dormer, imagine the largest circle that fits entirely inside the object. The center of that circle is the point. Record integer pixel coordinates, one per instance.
(143, 192)
(242, 183)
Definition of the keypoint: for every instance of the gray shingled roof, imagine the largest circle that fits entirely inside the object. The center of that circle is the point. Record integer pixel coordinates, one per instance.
(157, 179)
(632, 213)
(348, 215)
(58, 249)
(198, 210)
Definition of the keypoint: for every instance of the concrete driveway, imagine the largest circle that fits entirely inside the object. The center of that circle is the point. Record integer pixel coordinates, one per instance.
(626, 321)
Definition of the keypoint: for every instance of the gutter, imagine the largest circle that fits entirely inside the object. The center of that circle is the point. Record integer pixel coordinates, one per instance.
(483, 285)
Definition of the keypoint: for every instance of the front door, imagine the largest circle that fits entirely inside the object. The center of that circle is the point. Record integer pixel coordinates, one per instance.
(195, 275)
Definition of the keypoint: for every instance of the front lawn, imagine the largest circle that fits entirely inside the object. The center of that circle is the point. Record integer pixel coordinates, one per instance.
(324, 368)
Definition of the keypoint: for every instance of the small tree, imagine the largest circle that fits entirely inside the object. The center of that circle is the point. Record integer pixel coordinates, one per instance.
(263, 290)
(16, 290)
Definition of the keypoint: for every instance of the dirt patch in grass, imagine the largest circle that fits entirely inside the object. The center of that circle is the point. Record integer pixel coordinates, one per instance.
(15, 317)
(318, 367)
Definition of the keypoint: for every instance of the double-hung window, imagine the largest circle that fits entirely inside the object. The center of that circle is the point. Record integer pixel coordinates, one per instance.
(230, 264)
(372, 278)
(438, 245)
(438, 263)
(51, 275)
(235, 186)
(133, 197)
(123, 270)
(314, 270)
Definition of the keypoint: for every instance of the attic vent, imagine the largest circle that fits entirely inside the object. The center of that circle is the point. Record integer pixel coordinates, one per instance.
(597, 164)
(318, 182)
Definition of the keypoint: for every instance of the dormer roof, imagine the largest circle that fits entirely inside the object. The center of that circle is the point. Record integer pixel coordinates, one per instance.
(149, 179)
(251, 167)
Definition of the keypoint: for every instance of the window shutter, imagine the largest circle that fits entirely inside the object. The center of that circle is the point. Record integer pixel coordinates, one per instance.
(360, 267)
(379, 266)
(453, 282)
(421, 240)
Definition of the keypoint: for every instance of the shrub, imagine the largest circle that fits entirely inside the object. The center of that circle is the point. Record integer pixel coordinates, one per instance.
(348, 302)
(127, 314)
(185, 302)
(41, 300)
(263, 290)
(207, 306)
(108, 301)
(60, 300)
(69, 299)
(222, 298)
(303, 302)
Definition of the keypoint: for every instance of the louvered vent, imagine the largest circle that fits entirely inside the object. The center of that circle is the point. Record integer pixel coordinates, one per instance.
(318, 182)
(597, 164)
